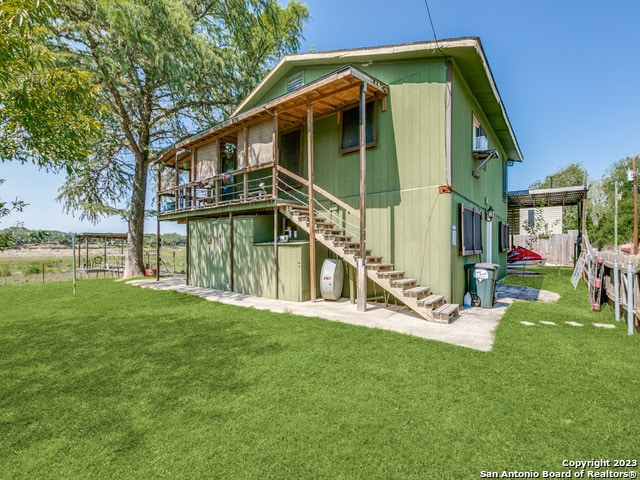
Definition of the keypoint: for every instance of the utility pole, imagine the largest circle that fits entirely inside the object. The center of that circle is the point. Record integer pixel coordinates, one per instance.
(635, 208)
(615, 220)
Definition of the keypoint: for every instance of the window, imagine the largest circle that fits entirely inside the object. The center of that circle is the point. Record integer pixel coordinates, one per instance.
(291, 151)
(505, 180)
(531, 218)
(350, 128)
(471, 230)
(504, 236)
(480, 141)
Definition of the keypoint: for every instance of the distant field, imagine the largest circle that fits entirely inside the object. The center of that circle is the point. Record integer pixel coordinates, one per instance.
(54, 264)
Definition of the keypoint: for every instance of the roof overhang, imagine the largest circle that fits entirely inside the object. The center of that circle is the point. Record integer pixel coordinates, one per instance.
(326, 95)
(467, 53)
(548, 197)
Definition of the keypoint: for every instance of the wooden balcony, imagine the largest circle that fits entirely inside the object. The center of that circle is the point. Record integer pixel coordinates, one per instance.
(247, 189)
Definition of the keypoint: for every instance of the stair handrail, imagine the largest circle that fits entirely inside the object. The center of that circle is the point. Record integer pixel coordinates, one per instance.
(319, 208)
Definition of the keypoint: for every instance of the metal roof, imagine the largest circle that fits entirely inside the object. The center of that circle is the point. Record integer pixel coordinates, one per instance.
(548, 197)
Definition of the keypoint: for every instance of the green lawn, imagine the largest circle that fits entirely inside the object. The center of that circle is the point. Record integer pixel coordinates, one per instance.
(123, 382)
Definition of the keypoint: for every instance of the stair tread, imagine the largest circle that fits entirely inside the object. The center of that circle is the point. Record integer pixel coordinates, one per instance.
(391, 272)
(415, 290)
(403, 281)
(431, 299)
(447, 308)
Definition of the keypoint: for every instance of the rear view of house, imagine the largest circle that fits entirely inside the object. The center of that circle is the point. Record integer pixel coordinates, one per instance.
(392, 160)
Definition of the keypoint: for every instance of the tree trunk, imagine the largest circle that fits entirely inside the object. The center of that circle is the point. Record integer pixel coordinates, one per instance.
(134, 257)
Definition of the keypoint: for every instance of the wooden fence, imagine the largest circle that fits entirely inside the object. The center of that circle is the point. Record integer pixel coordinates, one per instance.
(558, 249)
(590, 273)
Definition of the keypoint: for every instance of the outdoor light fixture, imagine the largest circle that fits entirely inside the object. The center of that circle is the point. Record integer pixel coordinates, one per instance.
(490, 212)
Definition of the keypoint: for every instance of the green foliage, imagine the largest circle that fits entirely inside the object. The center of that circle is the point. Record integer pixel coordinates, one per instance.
(165, 69)
(601, 221)
(133, 383)
(6, 238)
(50, 113)
(34, 268)
(571, 175)
(539, 229)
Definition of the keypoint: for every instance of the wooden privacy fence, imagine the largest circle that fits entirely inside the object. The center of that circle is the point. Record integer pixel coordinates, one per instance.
(613, 279)
(558, 249)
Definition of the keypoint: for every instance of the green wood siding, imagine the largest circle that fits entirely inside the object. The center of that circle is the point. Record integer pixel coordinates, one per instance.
(253, 258)
(482, 192)
(409, 222)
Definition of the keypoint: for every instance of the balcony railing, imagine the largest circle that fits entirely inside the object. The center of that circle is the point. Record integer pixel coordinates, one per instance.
(247, 185)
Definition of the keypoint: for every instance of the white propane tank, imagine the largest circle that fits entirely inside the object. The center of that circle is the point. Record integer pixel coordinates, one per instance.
(331, 279)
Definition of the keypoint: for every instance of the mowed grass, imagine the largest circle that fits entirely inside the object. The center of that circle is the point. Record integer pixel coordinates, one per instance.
(123, 382)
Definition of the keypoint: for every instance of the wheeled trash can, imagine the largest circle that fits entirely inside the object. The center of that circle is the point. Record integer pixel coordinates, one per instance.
(481, 283)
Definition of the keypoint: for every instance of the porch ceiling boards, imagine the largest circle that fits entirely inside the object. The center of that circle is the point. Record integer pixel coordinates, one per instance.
(327, 95)
(549, 197)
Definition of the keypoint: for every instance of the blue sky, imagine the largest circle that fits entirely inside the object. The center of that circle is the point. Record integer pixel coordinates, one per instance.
(568, 72)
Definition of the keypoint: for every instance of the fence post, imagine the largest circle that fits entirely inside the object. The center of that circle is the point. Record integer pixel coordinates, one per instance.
(616, 287)
(630, 303)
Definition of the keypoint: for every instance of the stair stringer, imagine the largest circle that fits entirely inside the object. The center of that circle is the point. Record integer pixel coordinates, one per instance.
(397, 293)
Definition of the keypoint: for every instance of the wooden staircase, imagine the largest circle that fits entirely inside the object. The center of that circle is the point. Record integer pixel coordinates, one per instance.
(430, 306)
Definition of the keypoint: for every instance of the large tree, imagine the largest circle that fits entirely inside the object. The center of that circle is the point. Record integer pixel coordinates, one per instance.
(165, 69)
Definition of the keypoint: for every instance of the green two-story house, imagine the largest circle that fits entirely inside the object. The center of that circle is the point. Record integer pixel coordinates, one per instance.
(391, 160)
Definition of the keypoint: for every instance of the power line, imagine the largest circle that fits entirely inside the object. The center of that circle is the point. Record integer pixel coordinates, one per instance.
(435, 37)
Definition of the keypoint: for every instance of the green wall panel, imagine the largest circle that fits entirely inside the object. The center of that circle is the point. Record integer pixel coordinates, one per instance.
(253, 258)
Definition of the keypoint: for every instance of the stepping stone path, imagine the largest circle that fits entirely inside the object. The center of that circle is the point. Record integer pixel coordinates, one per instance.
(573, 324)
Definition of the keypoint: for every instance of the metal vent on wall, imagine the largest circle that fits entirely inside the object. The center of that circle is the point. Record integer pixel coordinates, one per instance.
(294, 84)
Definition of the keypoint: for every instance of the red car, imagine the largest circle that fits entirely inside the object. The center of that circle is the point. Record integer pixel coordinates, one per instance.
(520, 256)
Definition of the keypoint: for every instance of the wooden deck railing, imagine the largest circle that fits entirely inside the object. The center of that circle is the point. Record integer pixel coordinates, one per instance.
(236, 186)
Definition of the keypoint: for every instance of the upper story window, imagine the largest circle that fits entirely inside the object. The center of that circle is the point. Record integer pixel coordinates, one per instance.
(350, 128)
(480, 140)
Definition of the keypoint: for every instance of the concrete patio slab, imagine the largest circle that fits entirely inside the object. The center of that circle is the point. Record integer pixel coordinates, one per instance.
(474, 328)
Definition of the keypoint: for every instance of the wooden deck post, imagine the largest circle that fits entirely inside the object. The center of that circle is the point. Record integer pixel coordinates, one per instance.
(230, 251)
(188, 250)
(312, 233)
(275, 253)
(274, 193)
(245, 163)
(362, 260)
(158, 228)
